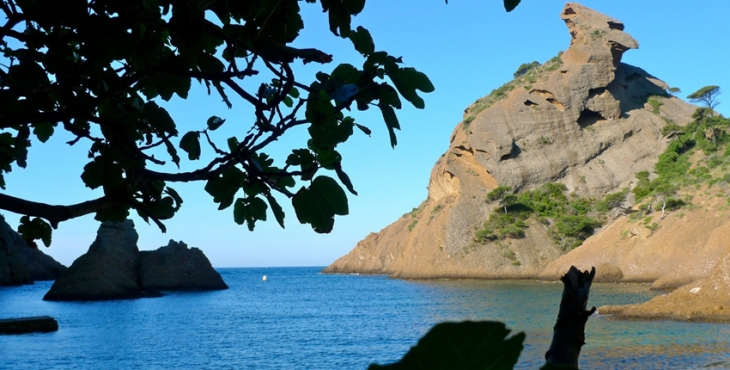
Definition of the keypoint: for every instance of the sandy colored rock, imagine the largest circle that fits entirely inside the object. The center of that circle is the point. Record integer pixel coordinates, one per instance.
(707, 299)
(685, 247)
(177, 267)
(582, 124)
(107, 271)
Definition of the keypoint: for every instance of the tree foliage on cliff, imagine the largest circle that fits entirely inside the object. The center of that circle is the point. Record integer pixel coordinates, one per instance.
(707, 95)
(103, 69)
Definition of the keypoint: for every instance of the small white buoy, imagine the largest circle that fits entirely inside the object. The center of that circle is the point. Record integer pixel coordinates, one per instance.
(265, 278)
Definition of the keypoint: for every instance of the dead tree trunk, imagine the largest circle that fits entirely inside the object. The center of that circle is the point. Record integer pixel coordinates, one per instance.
(569, 330)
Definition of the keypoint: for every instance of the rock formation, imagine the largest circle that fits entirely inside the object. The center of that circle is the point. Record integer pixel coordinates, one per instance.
(114, 268)
(581, 120)
(21, 264)
(177, 267)
(707, 299)
(107, 271)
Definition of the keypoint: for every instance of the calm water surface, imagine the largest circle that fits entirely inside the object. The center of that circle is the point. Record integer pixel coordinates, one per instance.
(301, 319)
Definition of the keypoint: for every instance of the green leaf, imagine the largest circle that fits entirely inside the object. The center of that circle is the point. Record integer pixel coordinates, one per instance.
(224, 187)
(363, 41)
(466, 345)
(214, 122)
(510, 5)
(345, 179)
(159, 118)
(345, 73)
(172, 152)
(391, 122)
(407, 81)
(190, 143)
(318, 204)
(329, 158)
(249, 210)
(164, 208)
(233, 143)
(102, 172)
(43, 131)
(174, 194)
(21, 146)
(364, 129)
(276, 209)
(37, 228)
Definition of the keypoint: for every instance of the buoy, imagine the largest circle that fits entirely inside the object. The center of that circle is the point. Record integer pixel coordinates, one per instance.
(265, 278)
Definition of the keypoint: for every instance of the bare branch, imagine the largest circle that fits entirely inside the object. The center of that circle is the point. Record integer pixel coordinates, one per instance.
(56, 213)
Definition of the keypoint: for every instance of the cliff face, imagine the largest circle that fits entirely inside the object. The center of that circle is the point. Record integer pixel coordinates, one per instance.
(582, 119)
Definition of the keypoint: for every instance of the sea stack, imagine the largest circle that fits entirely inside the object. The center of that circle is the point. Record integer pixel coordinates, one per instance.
(114, 268)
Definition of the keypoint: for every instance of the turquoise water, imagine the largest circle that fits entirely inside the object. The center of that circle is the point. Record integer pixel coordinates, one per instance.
(301, 319)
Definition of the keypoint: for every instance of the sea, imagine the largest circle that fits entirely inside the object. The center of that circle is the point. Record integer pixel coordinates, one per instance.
(301, 319)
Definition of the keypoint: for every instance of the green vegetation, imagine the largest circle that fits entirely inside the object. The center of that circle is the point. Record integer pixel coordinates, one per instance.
(674, 170)
(412, 225)
(597, 34)
(524, 67)
(570, 220)
(526, 75)
(544, 140)
(707, 95)
(674, 90)
(655, 103)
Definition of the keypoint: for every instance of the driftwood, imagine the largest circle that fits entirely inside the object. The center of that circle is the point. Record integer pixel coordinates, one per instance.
(569, 330)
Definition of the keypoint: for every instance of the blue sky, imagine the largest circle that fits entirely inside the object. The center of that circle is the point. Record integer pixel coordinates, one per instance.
(467, 48)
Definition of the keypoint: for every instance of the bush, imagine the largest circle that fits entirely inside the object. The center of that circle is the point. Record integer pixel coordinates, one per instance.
(611, 201)
(576, 226)
(524, 68)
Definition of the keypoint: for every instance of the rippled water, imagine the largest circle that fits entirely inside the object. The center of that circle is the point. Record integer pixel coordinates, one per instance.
(301, 319)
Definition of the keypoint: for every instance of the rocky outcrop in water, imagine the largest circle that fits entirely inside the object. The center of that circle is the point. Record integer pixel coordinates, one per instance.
(107, 271)
(21, 264)
(114, 268)
(177, 267)
(582, 119)
(707, 299)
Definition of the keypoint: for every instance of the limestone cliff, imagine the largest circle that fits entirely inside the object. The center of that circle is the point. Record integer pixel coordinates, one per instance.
(582, 119)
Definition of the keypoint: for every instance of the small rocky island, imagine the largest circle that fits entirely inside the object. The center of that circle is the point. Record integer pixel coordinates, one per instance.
(114, 268)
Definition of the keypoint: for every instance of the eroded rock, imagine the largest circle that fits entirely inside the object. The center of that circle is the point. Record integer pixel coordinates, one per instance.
(581, 122)
(107, 271)
(707, 299)
(114, 268)
(177, 267)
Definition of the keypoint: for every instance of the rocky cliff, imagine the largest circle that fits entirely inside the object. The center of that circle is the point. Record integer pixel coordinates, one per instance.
(21, 264)
(583, 119)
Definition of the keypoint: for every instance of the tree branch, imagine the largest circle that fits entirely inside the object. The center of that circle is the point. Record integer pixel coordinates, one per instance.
(56, 213)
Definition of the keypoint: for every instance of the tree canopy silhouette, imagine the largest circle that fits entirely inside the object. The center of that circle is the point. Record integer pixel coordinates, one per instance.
(103, 69)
